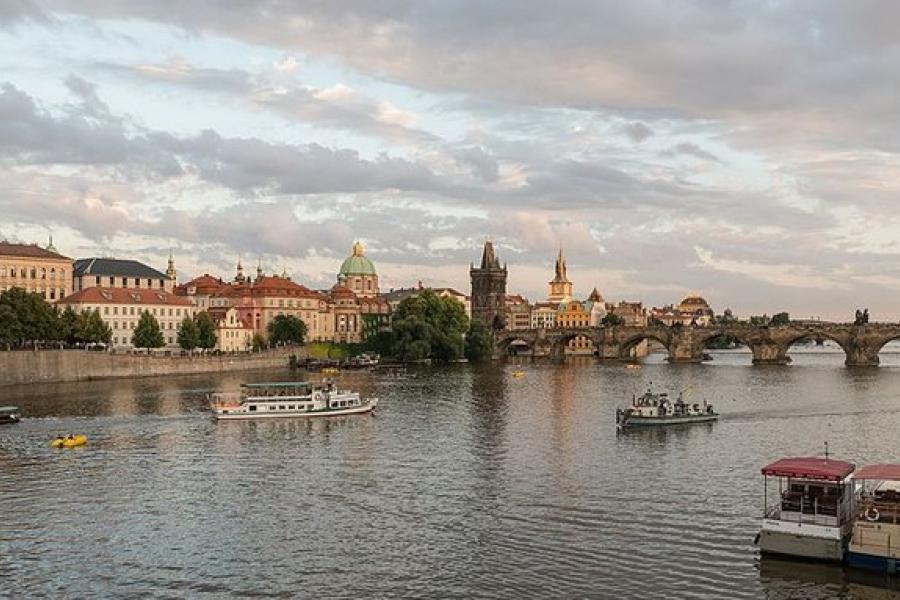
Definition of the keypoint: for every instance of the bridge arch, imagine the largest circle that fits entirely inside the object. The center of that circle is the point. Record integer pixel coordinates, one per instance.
(503, 346)
(560, 342)
(629, 343)
(787, 343)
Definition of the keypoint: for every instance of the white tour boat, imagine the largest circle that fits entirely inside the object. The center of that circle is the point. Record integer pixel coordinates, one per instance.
(657, 409)
(812, 516)
(289, 399)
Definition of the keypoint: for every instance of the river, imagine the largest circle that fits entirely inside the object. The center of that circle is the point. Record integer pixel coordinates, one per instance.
(467, 483)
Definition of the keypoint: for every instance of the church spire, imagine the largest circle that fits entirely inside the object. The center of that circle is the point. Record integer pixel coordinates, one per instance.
(171, 273)
(239, 276)
(488, 257)
(560, 275)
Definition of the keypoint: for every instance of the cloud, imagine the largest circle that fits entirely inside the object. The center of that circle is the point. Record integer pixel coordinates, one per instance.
(637, 132)
(694, 150)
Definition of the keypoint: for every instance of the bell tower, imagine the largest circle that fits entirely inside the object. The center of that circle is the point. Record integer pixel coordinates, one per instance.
(489, 290)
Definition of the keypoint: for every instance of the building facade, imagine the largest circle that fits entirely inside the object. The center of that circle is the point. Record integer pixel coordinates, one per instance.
(489, 290)
(35, 269)
(233, 334)
(121, 273)
(121, 309)
(359, 273)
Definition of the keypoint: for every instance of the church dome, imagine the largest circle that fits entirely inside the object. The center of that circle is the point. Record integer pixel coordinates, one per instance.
(357, 263)
(694, 301)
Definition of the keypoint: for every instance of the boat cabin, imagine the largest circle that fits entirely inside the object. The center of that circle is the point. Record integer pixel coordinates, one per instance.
(875, 543)
(808, 507)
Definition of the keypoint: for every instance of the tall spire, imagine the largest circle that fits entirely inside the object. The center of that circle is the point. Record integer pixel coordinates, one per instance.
(259, 271)
(239, 277)
(50, 245)
(488, 258)
(560, 274)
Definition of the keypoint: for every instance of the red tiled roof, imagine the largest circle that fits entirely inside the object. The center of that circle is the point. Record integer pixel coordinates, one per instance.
(100, 295)
(887, 472)
(268, 286)
(827, 469)
(29, 251)
(204, 285)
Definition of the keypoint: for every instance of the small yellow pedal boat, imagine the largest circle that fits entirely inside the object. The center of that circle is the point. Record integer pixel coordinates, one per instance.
(70, 441)
(518, 374)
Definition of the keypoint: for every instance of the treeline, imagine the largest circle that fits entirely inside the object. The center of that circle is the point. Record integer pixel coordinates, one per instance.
(27, 319)
(431, 327)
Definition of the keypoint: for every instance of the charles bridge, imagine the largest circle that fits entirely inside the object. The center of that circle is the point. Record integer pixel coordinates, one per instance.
(769, 345)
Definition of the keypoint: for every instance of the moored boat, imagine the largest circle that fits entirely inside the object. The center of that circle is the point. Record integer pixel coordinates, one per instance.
(289, 399)
(875, 540)
(812, 515)
(9, 414)
(654, 410)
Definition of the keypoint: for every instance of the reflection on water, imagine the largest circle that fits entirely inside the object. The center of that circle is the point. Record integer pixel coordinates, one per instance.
(468, 482)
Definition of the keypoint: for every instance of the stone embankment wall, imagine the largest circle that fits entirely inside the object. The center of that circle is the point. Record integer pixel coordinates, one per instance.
(80, 365)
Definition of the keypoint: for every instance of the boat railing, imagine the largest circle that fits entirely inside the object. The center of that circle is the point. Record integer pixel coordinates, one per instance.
(225, 398)
(878, 510)
(805, 511)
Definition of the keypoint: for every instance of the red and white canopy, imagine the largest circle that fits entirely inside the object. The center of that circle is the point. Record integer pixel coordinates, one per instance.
(810, 467)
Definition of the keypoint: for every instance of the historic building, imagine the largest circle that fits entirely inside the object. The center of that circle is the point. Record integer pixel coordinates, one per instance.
(518, 312)
(560, 286)
(543, 315)
(34, 269)
(120, 273)
(692, 310)
(489, 290)
(233, 333)
(359, 273)
(121, 309)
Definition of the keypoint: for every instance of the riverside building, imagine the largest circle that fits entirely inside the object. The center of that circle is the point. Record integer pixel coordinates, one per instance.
(122, 273)
(35, 269)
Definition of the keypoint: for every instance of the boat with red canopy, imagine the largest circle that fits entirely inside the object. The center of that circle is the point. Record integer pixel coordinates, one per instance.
(875, 543)
(812, 514)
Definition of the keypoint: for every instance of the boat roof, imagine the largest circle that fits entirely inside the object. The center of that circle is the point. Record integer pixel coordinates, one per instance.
(810, 467)
(278, 384)
(885, 472)
(9, 409)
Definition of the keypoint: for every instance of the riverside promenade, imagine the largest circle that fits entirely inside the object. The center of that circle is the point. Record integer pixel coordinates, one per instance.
(50, 366)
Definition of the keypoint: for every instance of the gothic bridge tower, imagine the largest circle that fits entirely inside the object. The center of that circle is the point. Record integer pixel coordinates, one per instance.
(489, 290)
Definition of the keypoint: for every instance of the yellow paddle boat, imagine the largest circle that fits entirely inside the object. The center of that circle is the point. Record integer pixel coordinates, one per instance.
(518, 374)
(69, 441)
(330, 371)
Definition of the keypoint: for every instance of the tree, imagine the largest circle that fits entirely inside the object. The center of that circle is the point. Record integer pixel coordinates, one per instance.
(93, 330)
(258, 342)
(479, 343)
(780, 319)
(206, 329)
(10, 327)
(188, 334)
(611, 319)
(726, 318)
(38, 320)
(286, 329)
(429, 326)
(759, 321)
(147, 333)
(69, 325)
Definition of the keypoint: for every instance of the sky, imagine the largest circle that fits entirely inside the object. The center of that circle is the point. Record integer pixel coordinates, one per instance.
(744, 150)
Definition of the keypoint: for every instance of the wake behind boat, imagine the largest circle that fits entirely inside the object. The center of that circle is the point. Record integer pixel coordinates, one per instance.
(290, 399)
(653, 410)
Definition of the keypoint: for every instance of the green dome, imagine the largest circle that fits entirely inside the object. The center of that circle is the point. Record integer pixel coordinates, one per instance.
(357, 263)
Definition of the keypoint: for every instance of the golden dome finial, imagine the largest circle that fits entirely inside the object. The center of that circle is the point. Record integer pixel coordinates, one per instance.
(358, 249)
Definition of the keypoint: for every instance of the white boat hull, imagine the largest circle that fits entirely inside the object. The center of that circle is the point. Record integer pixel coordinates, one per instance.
(633, 421)
(287, 414)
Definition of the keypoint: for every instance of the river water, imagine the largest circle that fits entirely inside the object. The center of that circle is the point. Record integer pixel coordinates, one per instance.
(467, 483)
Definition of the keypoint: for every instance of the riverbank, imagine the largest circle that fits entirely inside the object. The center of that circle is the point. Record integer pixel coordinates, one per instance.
(45, 366)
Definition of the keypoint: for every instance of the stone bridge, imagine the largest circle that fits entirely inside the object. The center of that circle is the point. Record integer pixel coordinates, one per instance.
(769, 345)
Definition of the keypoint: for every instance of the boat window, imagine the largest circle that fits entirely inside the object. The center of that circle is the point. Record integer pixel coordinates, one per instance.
(291, 407)
(252, 407)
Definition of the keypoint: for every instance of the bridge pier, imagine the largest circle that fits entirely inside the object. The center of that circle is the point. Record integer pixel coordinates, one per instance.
(769, 353)
(859, 355)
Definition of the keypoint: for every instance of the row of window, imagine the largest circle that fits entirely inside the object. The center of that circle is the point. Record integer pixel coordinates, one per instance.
(130, 310)
(98, 281)
(126, 340)
(132, 324)
(48, 293)
(34, 272)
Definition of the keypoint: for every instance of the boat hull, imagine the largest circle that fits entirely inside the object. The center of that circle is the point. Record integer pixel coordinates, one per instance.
(872, 562)
(801, 546)
(634, 422)
(9, 419)
(235, 416)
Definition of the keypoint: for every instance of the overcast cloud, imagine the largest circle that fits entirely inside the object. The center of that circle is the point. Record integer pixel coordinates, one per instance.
(745, 150)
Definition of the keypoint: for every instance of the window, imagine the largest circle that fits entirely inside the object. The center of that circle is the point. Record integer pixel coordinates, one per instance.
(112, 281)
(105, 310)
(115, 310)
(53, 273)
(115, 324)
(149, 283)
(43, 273)
(33, 273)
(131, 310)
(97, 280)
(52, 294)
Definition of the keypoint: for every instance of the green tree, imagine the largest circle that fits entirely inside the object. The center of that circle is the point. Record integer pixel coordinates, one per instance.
(286, 329)
(69, 325)
(611, 319)
(429, 326)
(726, 318)
(38, 320)
(780, 319)
(147, 333)
(188, 334)
(10, 327)
(206, 328)
(92, 329)
(479, 343)
(258, 342)
(759, 321)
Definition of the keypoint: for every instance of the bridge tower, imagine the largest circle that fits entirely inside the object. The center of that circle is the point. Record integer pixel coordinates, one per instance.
(560, 287)
(489, 290)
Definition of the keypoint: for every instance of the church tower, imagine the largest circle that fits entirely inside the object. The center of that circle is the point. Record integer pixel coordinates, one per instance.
(171, 273)
(489, 290)
(560, 287)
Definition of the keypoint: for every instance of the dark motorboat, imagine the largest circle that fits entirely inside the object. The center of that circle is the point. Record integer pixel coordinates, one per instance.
(9, 414)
